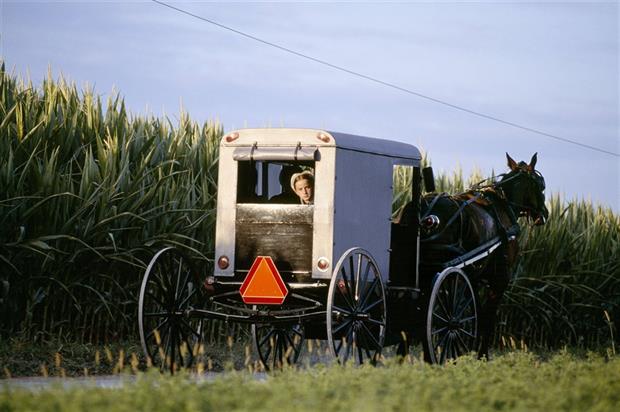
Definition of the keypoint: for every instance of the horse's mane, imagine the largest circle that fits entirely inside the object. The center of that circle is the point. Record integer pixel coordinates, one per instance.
(484, 197)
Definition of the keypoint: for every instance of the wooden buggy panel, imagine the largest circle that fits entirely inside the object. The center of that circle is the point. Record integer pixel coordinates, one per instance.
(283, 232)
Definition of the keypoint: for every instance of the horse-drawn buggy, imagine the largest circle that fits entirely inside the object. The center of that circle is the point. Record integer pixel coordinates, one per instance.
(307, 247)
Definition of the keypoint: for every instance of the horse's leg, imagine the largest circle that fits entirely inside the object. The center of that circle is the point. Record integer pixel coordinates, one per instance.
(497, 283)
(488, 319)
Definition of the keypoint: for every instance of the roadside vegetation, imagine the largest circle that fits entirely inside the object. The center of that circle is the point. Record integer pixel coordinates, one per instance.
(513, 381)
(88, 192)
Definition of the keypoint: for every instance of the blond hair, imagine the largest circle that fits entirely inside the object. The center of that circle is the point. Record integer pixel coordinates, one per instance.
(307, 175)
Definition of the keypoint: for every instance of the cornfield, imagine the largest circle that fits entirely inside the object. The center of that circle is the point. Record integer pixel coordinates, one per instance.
(88, 192)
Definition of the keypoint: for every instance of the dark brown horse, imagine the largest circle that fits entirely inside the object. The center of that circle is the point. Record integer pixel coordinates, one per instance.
(453, 226)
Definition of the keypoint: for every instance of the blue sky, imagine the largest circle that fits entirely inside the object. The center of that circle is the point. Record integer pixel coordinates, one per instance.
(551, 66)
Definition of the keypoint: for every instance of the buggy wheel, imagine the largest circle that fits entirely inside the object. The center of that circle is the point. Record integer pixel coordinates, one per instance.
(452, 317)
(170, 286)
(356, 309)
(278, 345)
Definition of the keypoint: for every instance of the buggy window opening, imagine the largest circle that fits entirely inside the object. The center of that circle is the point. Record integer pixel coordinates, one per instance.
(269, 181)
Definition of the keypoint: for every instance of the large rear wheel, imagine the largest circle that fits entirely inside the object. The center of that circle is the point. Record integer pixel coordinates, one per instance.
(356, 309)
(452, 317)
(170, 286)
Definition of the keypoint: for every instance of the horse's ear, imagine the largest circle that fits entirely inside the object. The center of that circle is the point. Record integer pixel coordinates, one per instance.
(511, 163)
(532, 164)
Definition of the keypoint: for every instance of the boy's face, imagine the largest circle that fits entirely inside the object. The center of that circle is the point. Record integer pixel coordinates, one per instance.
(303, 189)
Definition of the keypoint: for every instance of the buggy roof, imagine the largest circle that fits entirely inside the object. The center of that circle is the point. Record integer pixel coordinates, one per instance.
(312, 137)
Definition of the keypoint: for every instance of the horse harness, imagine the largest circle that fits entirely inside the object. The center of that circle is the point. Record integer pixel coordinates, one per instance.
(489, 200)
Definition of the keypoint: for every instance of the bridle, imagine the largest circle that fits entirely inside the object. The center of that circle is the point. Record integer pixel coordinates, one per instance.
(523, 210)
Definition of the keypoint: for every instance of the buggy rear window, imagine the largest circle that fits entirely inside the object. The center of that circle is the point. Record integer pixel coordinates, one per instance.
(269, 181)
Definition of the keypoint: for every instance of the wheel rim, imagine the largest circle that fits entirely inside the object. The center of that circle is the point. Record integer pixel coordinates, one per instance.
(356, 309)
(452, 317)
(170, 286)
(278, 345)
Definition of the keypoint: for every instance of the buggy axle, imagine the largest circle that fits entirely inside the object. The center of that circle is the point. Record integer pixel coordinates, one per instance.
(255, 316)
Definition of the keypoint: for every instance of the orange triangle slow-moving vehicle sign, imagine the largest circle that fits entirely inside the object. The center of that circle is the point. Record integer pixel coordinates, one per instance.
(263, 285)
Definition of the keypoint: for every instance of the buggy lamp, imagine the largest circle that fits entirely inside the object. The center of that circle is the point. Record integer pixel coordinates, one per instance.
(322, 264)
(430, 222)
(232, 137)
(323, 137)
(223, 262)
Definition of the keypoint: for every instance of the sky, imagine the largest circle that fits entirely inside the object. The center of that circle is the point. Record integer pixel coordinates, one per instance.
(551, 66)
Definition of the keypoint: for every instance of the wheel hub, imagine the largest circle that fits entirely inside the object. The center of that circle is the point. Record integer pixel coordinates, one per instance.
(454, 323)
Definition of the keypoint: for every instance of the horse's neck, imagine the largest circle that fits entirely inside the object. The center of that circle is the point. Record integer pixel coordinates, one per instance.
(503, 211)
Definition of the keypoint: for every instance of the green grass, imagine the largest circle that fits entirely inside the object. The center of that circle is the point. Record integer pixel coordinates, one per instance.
(514, 381)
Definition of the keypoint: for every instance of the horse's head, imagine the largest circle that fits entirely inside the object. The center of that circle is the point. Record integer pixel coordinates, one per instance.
(524, 188)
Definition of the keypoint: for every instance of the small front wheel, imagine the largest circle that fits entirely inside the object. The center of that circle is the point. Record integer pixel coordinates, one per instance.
(278, 345)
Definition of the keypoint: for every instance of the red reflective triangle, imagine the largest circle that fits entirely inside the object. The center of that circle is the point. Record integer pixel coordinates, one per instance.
(263, 284)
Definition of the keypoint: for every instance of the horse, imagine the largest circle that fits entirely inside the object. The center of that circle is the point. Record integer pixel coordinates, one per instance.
(453, 225)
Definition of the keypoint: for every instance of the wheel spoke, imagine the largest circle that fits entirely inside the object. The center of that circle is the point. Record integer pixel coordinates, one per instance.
(363, 338)
(451, 351)
(184, 301)
(267, 337)
(346, 294)
(441, 341)
(459, 313)
(344, 324)
(152, 332)
(465, 346)
(178, 278)
(436, 331)
(167, 346)
(465, 320)
(344, 340)
(341, 310)
(442, 305)
(292, 344)
(155, 314)
(440, 318)
(455, 289)
(375, 321)
(368, 308)
(369, 334)
(352, 274)
(155, 298)
(162, 288)
(358, 272)
(369, 292)
(471, 335)
(376, 278)
(184, 288)
(367, 271)
(191, 329)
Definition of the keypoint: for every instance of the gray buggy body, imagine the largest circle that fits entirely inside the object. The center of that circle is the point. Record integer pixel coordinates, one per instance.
(352, 202)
